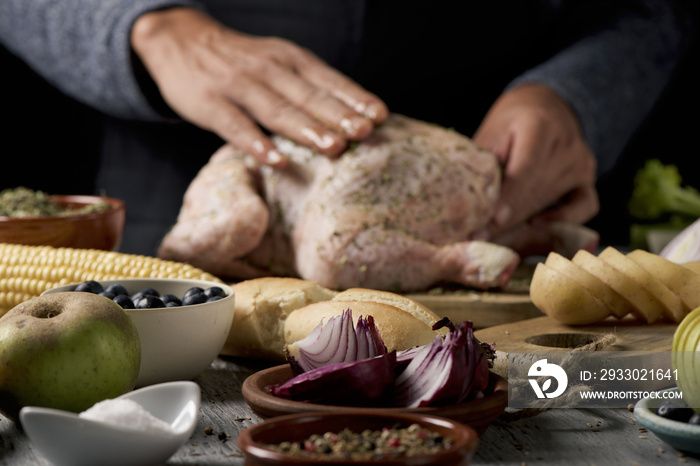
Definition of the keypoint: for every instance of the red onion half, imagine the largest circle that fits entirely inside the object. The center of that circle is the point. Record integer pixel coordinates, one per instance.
(446, 371)
(336, 342)
(367, 382)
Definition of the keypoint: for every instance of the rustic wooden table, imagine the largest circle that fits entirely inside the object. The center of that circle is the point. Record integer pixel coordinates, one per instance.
(561, 436)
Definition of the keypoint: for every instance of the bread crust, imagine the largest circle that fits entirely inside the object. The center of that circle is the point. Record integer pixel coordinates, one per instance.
(399, 329)
(262, 306)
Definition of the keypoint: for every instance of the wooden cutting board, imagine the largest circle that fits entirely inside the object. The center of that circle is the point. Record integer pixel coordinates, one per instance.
(484, 308)
(546, 334)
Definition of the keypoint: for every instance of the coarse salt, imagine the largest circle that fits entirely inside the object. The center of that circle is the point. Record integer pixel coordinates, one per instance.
(126, 413)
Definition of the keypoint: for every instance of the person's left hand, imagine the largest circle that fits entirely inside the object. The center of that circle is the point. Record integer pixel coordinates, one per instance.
(548, 169)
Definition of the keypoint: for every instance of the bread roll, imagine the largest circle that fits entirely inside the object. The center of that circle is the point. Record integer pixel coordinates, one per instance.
(414, 308)
(399, 329)
(262, 306)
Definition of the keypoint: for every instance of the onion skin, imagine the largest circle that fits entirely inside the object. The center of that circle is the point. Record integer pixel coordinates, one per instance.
(367, 382)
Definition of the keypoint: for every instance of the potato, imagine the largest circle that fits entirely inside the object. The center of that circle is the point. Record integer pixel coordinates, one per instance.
(641, 302)
(564, 299)
(693, 265)
(679, 279)
(664, 301)
(618, 305)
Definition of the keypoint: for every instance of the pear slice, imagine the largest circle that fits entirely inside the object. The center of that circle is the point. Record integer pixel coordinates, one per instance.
(664, 299)
(618, 306)
(679, 279)
(640, 302)
(564, 299)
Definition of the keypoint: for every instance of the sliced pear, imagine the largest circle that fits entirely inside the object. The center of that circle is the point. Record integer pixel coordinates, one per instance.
(641, 303)
(680, 280)
(618, 306)
(564, 299)
(664, 299)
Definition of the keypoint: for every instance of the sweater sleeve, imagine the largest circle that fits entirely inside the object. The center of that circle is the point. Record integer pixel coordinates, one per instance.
(82, 47)
(614, 74)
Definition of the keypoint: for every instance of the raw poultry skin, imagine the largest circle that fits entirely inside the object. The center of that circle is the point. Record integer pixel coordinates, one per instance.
(395, 212)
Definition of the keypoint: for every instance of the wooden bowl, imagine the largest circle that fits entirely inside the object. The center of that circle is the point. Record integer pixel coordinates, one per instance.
(297, 427)
(96, 230)
(477, 413)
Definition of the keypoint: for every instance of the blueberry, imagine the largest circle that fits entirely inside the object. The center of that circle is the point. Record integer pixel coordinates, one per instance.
(149, 292)
(676, 411)
(213, 298)
(194, 298)
(91, 286)
(116, 289)
(694, 419)
(143, 293)
(215, 291)
(149, 302)
(107, 294)
(124, 301)
(171, 299)
(172, 304)
(194, 289)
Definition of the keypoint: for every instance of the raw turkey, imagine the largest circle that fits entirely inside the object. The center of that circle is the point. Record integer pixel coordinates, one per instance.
(395, 212)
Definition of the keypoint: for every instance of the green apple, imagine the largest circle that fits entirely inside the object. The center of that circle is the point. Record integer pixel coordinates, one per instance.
(67, 351)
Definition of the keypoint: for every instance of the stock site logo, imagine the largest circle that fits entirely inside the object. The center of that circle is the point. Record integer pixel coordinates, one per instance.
(542, 369)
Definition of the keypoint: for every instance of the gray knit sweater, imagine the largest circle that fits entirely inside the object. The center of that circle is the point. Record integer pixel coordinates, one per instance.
(611, 75)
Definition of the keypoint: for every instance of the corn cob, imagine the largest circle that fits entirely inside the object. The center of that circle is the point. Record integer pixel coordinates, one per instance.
(28, 271)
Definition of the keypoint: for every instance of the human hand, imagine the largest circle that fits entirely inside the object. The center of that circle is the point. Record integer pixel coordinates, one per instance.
(549, 170)
(228, 82)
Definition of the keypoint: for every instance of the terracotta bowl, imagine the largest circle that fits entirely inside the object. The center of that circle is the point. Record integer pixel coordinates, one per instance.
(478, 413)
(97, 230)
(296, 427)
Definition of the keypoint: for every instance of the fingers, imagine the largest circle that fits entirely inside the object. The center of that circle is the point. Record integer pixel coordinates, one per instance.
(234, 126)
(579, 206)
(546, 176)
(239, 85)
(306, 100)
(345, 90)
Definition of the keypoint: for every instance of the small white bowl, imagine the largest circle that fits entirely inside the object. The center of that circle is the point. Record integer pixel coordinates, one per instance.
(177, 343)
(64, 438)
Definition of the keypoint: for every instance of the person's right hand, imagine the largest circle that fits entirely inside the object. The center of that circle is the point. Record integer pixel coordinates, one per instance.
(228, 83)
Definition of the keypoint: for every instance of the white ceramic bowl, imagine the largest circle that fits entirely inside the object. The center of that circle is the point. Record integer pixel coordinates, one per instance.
(177, 343)
(66, 439)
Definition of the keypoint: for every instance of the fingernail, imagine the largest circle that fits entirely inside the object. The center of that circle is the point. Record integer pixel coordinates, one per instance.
(274, 157)
(322, 141)
(348, 126)
(376, 112)
(356, 127)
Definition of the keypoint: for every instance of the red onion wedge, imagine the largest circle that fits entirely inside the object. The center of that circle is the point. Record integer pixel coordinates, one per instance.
(446, 371)
(336, 342)
(367, 382)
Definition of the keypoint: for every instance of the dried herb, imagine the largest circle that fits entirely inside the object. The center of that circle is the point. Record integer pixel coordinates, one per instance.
(24, 202)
